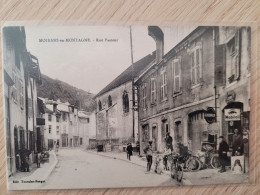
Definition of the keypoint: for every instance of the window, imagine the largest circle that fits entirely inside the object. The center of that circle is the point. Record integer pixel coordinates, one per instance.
(57, 130)
(233, 53)
(109, 101)
(21, 89)
(153, 90)
(64, 117)
(99, 105)
(88, 120)
(49, 117)
(196, 65)
(176, 72)
(15, 86)
(144, 96)
(57, 118)
(164, 86)
(125, 102)
(64, 129)
(49, 128)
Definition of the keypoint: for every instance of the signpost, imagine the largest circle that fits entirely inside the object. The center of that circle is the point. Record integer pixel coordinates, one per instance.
(210, 115)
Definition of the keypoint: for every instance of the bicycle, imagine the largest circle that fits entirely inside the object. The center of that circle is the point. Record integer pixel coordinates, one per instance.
(176, 162)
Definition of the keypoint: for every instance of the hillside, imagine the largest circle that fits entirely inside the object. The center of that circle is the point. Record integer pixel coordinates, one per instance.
(56, 89)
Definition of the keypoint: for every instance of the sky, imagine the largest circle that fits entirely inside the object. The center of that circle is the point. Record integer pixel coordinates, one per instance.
(93, 64)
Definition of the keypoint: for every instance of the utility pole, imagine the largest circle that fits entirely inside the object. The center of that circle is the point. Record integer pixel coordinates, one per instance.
(133, 90)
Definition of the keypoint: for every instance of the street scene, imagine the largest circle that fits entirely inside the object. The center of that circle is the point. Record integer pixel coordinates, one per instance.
(111, 107)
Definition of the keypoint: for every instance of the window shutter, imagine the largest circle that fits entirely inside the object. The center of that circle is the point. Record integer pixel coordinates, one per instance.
(237, 51)
(220, 63)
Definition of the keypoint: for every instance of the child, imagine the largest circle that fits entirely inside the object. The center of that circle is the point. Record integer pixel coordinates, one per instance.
(38, 159)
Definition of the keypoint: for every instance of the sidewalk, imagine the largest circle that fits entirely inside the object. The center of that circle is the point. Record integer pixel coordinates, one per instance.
(36, 175)
(212, 176)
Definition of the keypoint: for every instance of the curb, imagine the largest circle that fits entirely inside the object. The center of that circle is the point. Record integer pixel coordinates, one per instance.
(48, 172)
(111, 157)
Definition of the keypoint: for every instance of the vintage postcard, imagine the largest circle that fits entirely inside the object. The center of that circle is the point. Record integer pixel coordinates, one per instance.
(126, 106)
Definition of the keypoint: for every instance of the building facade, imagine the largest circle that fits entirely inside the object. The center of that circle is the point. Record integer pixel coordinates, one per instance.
(209, 69)
(116, 116)
(21, 75)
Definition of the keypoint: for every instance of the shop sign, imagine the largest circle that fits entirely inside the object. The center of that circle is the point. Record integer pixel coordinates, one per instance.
(232, 114)
(210, 115)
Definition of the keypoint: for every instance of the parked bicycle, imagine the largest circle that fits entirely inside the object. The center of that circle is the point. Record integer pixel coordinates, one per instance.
(207, 156)
(176, 162)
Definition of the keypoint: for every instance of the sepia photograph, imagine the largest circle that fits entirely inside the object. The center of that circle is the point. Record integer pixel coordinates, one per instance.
(125, 106)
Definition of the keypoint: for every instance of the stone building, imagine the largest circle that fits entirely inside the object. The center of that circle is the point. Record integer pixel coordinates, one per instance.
(21, 75)
(117, 121)
(207, 70)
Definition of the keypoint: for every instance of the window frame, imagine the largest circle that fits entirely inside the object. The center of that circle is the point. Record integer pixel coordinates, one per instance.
(196, 64)
(144, 96)
(153, 91)
(164, 86)
(174, 76)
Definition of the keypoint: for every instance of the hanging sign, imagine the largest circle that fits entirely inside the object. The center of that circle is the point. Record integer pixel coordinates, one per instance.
(210, 115)
(232, 114)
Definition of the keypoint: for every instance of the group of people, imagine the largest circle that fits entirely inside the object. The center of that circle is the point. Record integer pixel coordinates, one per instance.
(148, 150)
(237, 149)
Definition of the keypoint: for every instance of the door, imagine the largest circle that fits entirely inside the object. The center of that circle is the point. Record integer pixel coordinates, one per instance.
(155, 138)
(16, 149)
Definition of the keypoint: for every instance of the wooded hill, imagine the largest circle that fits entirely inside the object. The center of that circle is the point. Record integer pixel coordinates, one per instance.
(55, 89)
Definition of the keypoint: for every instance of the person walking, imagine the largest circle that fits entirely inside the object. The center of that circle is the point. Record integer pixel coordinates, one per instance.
(129, 150)
(237, 144)
(168, 141)
(222, 151)
(149, 155)
(57, 146)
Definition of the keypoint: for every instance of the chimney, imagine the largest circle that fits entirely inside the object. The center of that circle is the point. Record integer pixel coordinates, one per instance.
(156, 33)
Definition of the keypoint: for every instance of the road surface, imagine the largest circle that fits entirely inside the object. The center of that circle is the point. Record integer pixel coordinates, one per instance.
(80, 169)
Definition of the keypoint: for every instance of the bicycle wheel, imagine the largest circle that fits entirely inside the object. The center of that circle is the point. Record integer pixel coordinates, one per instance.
(173, 171)
(179, 173)
(193, 164)
(214, 162)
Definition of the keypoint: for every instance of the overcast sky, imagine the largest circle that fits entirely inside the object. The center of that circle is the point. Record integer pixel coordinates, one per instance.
(92, 65)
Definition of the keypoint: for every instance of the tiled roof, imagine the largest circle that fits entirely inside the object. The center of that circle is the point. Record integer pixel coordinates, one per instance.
(126, 76)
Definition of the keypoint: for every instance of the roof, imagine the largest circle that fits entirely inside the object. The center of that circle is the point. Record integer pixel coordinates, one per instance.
(126, 76)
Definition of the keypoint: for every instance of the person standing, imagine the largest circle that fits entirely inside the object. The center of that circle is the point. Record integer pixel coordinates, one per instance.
(168, 141)
(57, 146)
(237, 144)
(222, 151)
(129, 150)
(149, 155)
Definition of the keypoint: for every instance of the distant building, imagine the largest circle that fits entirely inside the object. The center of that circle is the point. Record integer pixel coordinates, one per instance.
(21, 75)
(87, 128)
(115, 109)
